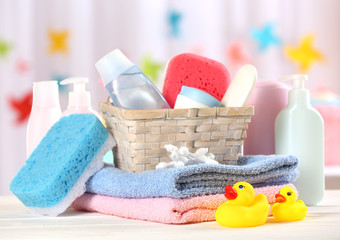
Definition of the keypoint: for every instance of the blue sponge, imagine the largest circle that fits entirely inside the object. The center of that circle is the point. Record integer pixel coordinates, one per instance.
(56, 172)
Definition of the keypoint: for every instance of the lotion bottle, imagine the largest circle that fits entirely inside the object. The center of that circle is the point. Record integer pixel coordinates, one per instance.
(268, 99)
(45, 112)
(299, 131)
(80, 102)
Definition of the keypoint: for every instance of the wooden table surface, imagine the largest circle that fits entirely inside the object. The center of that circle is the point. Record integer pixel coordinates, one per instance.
(16, 222)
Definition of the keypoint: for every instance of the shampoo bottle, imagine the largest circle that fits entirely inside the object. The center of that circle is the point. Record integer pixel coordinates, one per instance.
(79, 98)
(299, 131)
(268, 99)
(127, 85)
(45, 112)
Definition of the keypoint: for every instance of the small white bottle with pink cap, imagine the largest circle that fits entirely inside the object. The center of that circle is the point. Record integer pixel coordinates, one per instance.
(45, 112)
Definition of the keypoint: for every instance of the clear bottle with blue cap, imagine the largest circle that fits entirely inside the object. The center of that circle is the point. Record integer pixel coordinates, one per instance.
(127, 85)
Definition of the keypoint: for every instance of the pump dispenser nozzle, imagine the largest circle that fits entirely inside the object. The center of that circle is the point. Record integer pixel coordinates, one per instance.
(297, 95)
(299, 80)
(79, 97)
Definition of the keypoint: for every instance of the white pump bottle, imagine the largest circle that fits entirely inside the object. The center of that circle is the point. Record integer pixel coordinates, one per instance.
(79, 99)
(299, 131)
(80, 102)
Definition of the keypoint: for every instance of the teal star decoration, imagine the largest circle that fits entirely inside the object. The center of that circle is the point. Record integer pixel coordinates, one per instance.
(265, 37)
(5, 48)
(174, 19)
(59, 78)
(151, 68)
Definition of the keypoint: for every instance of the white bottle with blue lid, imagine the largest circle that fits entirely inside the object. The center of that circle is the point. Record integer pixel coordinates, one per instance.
(299, 131)
(127, 85)
(190, 97)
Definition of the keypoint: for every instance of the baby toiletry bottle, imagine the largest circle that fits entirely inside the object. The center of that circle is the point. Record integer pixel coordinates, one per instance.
(299, 131)
(241, 87)
(127, 85)
(268, 99)
(79, 99)
(45, 112)
(190, 97)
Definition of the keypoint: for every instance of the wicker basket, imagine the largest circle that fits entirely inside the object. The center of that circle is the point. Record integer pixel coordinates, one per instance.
(142, 134)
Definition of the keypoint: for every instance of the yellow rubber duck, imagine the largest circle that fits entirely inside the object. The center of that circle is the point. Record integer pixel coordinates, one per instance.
(287, 208)
(242, 209)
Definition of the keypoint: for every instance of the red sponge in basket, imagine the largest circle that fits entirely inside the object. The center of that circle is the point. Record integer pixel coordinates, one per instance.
(192, 70)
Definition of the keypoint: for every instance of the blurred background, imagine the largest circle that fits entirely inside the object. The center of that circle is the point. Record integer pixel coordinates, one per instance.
(54, 39)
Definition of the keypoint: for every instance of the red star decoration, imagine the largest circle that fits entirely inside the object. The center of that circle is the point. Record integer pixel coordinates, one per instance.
(22, 66)
(237, 56)
(22, 107)
(101, 83)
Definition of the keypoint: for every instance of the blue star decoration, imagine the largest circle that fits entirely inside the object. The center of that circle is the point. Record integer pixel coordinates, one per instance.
(265, 37)
(59, 78)
(174, 19)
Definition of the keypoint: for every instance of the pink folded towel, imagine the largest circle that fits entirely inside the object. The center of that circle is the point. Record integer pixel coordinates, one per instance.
(163, 210)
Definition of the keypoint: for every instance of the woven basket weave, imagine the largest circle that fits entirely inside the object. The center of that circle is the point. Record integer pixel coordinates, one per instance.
(142, 134)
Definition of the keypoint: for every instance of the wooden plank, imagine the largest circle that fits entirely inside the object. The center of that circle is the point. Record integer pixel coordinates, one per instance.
(16, 222)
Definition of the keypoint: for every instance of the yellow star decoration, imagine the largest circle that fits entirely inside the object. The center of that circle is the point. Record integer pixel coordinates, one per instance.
(304, 55)
(58, 41)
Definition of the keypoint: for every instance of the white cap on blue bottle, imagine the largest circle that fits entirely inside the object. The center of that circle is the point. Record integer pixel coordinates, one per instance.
(112, 65)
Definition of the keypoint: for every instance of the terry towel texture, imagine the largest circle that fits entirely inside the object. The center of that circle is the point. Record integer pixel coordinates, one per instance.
(163, 210)
(195, 180)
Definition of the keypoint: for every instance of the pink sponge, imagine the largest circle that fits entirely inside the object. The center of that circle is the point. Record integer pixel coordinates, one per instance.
(192, 70)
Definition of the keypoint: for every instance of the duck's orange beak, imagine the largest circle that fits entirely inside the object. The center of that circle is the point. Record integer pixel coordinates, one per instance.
(280, 198)
(230, 192)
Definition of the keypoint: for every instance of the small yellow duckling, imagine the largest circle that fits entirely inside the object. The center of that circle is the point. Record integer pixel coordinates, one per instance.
(242, 209)
(287, 208)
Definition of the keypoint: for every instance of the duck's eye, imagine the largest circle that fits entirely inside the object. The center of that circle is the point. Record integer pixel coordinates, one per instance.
(289, 193)
(241, 186)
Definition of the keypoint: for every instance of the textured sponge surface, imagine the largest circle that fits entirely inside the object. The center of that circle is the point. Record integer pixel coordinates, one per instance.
(59, 160)
(195, 71)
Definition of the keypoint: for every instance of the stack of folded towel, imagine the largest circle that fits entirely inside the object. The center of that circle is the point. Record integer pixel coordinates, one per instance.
(183, 195)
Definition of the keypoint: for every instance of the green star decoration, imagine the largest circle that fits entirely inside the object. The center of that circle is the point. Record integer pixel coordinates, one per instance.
(151, 68)
(5, 47)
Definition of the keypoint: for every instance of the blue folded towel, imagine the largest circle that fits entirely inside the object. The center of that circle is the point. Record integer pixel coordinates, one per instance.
(194, 180)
